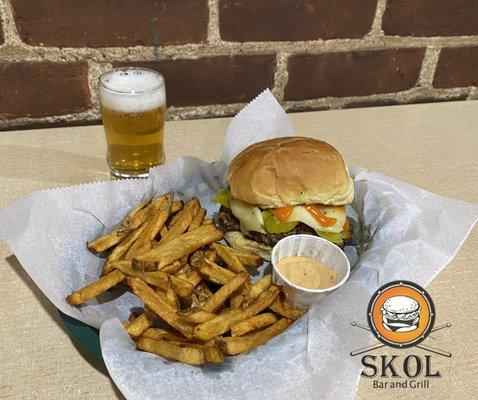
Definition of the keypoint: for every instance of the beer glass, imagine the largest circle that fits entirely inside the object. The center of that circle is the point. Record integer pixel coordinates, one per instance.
(133, 105)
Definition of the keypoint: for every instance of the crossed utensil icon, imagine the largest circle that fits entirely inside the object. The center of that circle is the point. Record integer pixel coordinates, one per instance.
(378, 345)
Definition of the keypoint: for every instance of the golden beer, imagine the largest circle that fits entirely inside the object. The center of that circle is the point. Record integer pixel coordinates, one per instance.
(133, 105)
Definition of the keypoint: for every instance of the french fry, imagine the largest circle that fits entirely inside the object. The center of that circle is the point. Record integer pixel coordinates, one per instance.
(192, 203)
(197, 259)
(176, 206)
(236, 300)
(163, 231)
(96, 288)
(196, 316)
(248, 258)
(211, 352)
(258, 321)
(181, 287)
(284, 309)
(134, 211)
(244, 344)
(137, 327)
(210, 254)
(106, 241)
(257, 288)
(202, 291)
(172, 268)
(159, 218)
(159, 306)
(136, 217)
(184, 260)
(228, 257)
(132, 317)
(166, 253)
(214, 273)
(183, 220)
(160, 209)
(121, 250)
(132, 221)
(184, 354)
(222, 323)
(198, 219)
(190, 275)
(171, 295)
(220, 297)
(162, 334)
(191, 302)
(225, 310)
(115, 255)
(157, 278)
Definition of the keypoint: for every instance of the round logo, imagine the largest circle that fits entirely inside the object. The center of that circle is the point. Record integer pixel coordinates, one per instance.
(401, 314)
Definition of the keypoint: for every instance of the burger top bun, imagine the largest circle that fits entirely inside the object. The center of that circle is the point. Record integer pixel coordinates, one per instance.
(290, 171)
(400, 304)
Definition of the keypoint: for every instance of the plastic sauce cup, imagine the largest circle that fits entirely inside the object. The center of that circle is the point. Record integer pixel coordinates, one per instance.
(309, 246)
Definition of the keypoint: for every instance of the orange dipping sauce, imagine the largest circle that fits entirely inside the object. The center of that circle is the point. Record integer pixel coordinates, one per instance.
(307, 272)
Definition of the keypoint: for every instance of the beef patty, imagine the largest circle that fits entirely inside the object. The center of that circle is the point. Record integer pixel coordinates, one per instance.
(228, 222)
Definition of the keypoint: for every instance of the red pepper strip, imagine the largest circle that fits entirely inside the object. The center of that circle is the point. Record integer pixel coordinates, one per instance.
(319, 216)
(282, 214)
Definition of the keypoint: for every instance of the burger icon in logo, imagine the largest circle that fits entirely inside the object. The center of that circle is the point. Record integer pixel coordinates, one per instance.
(400, 314)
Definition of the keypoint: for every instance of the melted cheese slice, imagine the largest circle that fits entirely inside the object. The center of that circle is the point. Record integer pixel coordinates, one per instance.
(299, 213)
(250, 217)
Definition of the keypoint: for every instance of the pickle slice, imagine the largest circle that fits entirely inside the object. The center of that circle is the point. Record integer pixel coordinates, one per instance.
(223, 197)
(271, 224)
(336, 238)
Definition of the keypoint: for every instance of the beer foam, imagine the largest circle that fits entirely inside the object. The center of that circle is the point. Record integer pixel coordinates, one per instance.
(132, 90)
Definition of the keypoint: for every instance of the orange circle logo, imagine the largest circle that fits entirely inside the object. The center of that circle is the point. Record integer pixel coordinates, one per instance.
(401, 314)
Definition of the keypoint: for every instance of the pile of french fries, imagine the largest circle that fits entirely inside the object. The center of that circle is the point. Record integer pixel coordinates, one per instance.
(199, 302)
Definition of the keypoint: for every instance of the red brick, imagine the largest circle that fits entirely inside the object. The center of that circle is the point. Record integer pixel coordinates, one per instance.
(214, 80)
(355, 73)
(283, 20)
(457, 67)
(110, 23)
(431, 17)
(36, 89)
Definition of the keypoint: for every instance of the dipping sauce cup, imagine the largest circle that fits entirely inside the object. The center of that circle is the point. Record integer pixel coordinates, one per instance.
(309, 246)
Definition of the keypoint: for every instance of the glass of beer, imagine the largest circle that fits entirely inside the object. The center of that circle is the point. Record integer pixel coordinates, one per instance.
(133, 105)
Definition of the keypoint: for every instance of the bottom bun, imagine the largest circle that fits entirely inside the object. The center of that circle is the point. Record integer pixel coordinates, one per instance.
(400, 326)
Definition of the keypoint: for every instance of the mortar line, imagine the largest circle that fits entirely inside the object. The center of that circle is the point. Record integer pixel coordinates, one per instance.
(178, 113)
(281, 75)
(429, 64)
(473, 95)
(213, 33)
(10, 32)
(376, 28)
(94, 71)
(23, 52)
(403, 97)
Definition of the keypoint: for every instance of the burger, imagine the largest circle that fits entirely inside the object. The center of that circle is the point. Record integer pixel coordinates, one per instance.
(282, 187)
(400, 314)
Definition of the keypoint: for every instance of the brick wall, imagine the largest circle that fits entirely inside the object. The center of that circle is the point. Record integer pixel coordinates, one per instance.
(218, 54)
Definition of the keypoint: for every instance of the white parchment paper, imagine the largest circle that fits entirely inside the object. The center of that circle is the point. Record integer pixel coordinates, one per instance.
(417, 233)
